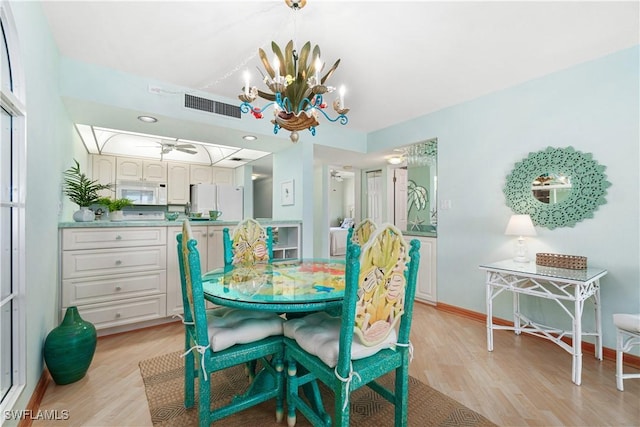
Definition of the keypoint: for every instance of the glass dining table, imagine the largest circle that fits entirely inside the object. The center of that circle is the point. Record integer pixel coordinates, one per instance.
(290, 286)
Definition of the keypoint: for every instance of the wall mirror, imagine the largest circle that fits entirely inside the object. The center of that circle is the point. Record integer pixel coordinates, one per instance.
(557, 187)
(416, 202)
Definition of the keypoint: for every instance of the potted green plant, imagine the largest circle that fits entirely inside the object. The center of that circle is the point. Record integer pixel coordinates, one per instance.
(115, 206)
(82, 191)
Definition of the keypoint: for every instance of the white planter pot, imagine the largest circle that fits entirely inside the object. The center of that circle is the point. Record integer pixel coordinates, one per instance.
(116, 216)
(84, 215)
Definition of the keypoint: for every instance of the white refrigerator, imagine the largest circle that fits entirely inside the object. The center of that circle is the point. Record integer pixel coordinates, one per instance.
(226, 198)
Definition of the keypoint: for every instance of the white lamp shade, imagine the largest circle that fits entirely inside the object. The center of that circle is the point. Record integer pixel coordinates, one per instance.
(520, 225)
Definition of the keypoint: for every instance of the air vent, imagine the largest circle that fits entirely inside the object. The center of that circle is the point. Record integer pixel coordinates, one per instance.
(211, 106)
(236, 159)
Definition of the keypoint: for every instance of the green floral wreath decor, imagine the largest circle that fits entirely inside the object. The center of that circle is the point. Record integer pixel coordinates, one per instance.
(588, 187)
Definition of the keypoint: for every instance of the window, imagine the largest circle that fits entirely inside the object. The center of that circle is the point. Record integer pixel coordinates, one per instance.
(12, 228)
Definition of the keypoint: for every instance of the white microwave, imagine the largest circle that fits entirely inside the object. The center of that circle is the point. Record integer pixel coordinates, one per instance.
(142, 193)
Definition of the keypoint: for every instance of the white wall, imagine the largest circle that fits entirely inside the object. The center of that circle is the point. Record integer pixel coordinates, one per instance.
(593, 107)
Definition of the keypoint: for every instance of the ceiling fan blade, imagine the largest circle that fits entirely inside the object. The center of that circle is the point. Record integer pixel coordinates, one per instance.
(186, 146)
(186, 150)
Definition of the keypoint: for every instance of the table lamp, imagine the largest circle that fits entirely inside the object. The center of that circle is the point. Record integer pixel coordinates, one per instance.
(521, 226)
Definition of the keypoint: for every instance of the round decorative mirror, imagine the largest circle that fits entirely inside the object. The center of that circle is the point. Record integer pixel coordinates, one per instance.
(557, 187)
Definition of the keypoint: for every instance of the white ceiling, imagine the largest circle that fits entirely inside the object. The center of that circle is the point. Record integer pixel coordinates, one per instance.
(399, 60)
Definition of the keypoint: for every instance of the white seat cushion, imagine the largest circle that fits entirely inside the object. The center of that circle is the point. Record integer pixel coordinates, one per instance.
(319, 334)
(231, 326)
(628, 322)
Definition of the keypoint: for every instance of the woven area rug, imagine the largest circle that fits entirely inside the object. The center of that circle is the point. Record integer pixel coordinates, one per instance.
(164, 384)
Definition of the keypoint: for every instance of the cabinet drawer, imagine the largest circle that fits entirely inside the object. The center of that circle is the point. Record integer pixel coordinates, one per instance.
(108, 315)
(100, 262)
(92, 290)
(101, 238)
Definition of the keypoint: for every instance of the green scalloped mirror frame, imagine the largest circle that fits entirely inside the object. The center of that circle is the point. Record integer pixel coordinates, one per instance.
(588, 187)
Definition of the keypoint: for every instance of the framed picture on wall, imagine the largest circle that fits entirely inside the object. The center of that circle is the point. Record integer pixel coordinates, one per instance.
(287, 193)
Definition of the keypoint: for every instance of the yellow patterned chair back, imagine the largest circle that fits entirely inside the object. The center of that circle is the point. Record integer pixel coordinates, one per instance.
(381, 285)
(249, 244)
(361, 233)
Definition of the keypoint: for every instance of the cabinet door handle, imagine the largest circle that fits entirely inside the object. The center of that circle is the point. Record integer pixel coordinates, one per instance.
(211, 234)
(118, 237)
(118, 288)
(118, 314)
(118, 262)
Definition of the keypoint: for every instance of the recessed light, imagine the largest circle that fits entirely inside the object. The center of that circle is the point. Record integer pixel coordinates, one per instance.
(147, 119)
(249, 137)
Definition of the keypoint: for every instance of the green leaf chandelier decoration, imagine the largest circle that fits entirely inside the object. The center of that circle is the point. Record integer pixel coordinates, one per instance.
(296, 87)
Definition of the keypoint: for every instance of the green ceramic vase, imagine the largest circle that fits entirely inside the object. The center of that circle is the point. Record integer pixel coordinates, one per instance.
(69, 348)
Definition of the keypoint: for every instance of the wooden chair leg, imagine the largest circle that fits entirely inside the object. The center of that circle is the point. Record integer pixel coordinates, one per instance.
(342, 410)
(402, 395)
(250, 370)
(292, 392)
(189, 377)
(619, 360)
(279, 366)
(204, 400)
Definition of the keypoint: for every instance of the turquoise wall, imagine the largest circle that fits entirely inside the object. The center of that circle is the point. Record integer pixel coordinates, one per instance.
(593, 107)
(51, 146)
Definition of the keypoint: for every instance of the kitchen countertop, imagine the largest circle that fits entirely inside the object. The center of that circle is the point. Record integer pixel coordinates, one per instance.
(156, 223)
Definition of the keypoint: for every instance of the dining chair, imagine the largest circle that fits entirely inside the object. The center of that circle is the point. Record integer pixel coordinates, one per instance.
(370, 339)
(222, 338)
(360, 233)
(249, 243)
(627, 337)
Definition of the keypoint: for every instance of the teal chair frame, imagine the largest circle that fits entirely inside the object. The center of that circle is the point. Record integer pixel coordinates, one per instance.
(228, 242)
(361, 372)
(201, 361)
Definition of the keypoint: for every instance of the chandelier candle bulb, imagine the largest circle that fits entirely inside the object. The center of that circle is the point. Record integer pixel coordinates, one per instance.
(318, 65)
(276, 67)
(342, 90)
(246, 83)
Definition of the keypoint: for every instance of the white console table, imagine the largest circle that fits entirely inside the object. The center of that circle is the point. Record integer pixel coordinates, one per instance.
(569, 288)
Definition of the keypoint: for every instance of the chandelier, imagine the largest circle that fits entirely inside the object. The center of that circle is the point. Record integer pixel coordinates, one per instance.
(296, 88)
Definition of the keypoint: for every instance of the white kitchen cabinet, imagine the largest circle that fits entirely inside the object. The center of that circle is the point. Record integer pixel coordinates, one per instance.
(200, 174)
(130, 169)
(126, 277)
(154, 171)
(115, 276)
(104, 171)
(222, 176)
(177, 183)
(211, 252)
(426, 288)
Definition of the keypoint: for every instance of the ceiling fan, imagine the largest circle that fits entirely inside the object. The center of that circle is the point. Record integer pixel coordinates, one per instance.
(336, 175)
(169, 146)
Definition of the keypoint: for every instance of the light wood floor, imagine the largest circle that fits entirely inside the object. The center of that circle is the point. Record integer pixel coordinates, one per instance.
(525, 381)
